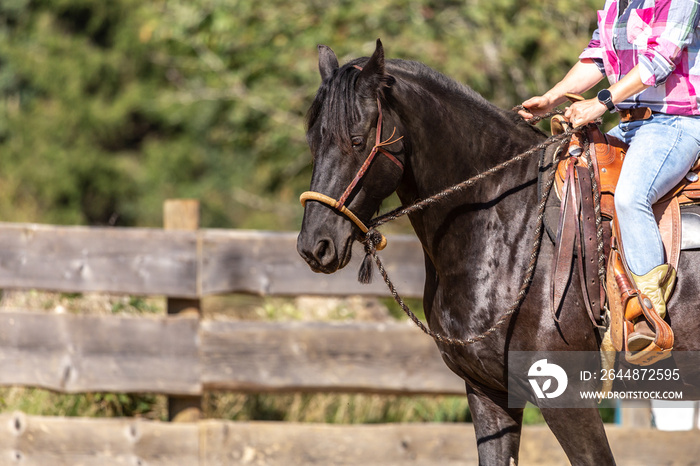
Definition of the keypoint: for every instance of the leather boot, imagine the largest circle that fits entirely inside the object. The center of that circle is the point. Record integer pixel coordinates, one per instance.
(656, 285)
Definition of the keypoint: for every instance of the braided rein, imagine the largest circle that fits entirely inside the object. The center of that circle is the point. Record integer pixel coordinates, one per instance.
(373, 237)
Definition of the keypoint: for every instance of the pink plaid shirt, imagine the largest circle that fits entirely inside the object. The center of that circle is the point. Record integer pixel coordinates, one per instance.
(661, 36)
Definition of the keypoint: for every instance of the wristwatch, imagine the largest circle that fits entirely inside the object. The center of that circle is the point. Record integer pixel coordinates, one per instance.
(605, 98)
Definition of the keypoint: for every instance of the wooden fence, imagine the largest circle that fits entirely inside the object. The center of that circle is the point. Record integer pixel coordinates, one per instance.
(183, 355)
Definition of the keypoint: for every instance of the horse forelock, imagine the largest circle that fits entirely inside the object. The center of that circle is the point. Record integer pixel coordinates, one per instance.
(336, 106)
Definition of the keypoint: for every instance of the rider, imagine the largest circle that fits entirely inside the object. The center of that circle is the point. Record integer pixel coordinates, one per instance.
(650, 52)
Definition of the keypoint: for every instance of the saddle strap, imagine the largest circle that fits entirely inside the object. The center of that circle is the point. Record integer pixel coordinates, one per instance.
(619, 285)
(565, 239)
(576, 234)
(668, 218)
(588, 249)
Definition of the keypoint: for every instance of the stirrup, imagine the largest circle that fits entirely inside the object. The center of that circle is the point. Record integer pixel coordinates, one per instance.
(662, 345)
(641, 337)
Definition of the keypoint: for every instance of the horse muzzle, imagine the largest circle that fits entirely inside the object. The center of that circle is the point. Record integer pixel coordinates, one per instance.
(325, 241)
(337, 205)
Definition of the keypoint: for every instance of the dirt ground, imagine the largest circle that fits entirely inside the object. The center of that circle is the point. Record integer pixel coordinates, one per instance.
(633, 447)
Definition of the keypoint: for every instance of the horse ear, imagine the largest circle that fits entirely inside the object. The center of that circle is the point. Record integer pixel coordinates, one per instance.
(327, 61)
(373, 75)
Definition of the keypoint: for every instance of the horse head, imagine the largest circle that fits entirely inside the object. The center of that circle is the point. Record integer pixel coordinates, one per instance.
(358, 156)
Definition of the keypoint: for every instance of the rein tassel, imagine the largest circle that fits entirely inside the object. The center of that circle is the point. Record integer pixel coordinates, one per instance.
(373, 241)
(364, 275)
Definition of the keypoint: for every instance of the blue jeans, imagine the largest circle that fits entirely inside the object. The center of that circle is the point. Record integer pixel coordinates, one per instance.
(661, 152)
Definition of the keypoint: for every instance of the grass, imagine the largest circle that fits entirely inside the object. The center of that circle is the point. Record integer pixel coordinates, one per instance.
(336, 408)
(41, 402)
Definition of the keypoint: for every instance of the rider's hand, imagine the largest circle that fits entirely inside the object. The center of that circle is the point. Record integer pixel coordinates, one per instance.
(584, 112)
(536, 106)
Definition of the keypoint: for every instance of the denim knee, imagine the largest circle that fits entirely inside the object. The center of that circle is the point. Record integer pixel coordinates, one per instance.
(628, 202)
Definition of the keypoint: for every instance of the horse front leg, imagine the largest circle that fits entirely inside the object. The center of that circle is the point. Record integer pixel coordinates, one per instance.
(581, 434)
(497, 428)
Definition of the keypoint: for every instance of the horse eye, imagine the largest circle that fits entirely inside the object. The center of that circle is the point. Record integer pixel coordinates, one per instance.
(358, 141)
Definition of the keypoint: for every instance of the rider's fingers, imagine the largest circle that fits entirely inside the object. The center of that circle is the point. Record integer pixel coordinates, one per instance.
(525, 113)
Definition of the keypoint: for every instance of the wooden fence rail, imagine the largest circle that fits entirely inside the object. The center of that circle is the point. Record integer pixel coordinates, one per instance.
(186, 356)
(185, 264)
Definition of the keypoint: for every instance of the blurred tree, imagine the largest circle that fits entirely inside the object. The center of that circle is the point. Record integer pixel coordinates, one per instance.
(108, 108)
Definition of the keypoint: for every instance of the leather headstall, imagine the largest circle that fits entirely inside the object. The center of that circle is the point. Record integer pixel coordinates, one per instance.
(339, 204)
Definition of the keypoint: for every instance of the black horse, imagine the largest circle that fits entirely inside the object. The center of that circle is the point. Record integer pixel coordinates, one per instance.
(476, 244)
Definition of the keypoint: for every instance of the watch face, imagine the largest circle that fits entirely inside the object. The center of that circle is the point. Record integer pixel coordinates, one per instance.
(605, 98)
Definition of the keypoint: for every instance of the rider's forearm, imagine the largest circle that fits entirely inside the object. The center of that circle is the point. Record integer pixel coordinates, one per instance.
(628, 86)
(581, 77)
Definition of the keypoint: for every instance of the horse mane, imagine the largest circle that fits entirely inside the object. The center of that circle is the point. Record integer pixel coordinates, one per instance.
(337, 95)
(454, 91)
(433, 79)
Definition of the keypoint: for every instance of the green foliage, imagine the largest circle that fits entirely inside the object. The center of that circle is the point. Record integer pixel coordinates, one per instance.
(41, 402)
(134, 305)
(414, 304)
(108, 108)
(533, 415)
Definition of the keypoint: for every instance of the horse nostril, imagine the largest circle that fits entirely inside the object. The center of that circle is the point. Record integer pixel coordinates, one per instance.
(324, 253)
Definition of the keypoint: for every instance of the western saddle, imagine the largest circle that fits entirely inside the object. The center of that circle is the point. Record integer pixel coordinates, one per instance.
(576, 236)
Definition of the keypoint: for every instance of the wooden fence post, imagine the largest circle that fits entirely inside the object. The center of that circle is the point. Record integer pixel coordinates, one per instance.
(183, 214)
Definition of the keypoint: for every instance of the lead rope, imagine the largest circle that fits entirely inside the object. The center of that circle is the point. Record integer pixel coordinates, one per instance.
(372, 236)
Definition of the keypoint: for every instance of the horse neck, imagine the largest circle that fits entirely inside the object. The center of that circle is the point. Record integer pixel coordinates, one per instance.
(451, 138)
